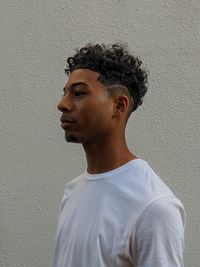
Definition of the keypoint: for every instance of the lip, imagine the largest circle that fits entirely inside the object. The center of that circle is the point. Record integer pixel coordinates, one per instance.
(66, 122)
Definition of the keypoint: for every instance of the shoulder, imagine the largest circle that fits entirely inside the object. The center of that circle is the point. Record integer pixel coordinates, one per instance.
(163, 211)
(142, 185)
(69, 189)
(145, 179)
(71, 184)
(157, 238)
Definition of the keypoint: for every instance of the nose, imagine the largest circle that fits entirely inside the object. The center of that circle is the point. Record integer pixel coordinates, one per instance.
(64, 105)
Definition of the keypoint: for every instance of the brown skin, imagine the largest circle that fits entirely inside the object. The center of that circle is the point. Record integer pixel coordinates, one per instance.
(96, 120)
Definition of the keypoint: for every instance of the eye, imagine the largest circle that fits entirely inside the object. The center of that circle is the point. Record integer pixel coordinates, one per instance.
(64, 93)
(77, 93)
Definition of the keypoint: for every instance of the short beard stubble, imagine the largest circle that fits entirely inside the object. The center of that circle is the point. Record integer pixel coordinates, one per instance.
(71, 139)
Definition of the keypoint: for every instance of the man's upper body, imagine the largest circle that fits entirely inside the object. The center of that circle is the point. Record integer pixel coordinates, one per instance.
(121, 218)
(119, 212)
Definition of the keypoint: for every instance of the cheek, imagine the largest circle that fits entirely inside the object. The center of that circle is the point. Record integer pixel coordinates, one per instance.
(95, 113)
(100, 117)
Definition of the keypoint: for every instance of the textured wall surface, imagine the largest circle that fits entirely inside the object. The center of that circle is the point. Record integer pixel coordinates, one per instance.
(35, 162)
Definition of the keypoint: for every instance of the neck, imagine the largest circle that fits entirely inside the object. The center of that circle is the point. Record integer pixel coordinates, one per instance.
(106, 155)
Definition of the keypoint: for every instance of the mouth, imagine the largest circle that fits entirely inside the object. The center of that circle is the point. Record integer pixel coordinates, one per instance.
(66, 122)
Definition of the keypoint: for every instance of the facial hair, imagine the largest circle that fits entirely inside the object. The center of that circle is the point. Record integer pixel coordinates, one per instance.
(71, 139)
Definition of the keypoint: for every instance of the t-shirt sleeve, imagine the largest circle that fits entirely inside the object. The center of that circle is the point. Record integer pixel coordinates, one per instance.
(158, 239)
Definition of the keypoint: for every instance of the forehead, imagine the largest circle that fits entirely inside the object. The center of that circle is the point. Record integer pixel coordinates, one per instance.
(83, 75)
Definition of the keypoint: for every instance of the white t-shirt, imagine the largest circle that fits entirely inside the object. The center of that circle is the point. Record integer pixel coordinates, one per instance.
(121, 218)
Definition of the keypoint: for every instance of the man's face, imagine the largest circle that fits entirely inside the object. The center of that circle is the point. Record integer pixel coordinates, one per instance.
(87, 109)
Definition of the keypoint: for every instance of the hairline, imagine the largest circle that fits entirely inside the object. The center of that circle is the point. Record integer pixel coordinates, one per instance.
(124, 90)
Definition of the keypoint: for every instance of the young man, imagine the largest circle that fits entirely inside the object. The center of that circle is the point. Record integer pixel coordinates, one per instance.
(118, 213)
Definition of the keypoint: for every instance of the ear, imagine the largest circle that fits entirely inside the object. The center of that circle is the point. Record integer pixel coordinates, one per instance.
(121, 105)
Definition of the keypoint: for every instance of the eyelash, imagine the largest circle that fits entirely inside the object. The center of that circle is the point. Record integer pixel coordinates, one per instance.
(79, 93)
(75, 94)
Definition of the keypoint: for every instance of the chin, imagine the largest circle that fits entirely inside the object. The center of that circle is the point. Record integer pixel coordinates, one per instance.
(71, 139)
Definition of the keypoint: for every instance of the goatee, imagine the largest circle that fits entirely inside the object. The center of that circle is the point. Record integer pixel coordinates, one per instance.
(71, 139)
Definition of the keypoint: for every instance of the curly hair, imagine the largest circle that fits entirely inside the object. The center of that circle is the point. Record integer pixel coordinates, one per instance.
(115, 65)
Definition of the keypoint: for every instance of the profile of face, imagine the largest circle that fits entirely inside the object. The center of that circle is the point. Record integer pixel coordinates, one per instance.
(87, 109)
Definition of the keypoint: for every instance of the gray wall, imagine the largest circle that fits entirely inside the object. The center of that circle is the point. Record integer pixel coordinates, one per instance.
(36, 37)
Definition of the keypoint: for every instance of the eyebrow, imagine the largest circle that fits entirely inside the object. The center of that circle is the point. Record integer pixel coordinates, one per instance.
(75, 85)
